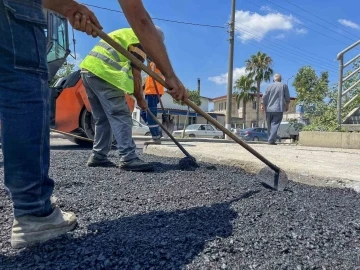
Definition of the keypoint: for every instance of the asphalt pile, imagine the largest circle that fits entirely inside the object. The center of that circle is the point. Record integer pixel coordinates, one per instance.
(215, 217)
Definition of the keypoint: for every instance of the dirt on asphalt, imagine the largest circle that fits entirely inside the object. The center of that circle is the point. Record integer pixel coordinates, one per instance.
(215, 217)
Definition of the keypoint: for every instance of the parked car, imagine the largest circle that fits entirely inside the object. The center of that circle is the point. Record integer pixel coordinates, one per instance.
(139, 129)
(252, 134)
(200, 131)
(288, 130)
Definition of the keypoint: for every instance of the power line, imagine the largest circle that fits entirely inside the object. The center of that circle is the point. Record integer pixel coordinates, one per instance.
(281, 54)
(310, 20)
(302, 25)
(300, 49)
(161, 19)
(318, 63)
(321, 19)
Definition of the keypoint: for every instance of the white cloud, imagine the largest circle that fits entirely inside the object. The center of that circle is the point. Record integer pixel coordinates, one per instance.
(223, 78)
(254, 26)
(301, 31)
(280, 36)
(349, 23)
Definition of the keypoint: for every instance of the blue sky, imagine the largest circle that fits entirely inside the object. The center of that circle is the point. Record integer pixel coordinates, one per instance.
(291, 36)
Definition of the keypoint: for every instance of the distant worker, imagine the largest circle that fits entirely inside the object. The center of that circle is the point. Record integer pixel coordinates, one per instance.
(24, 107)
(107, 77)
(275, 102)
(152, 91)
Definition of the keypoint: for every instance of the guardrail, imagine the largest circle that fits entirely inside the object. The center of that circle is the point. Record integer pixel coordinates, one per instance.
(342, 80)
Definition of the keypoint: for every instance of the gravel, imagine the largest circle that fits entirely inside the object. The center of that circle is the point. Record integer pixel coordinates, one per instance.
(215, 217)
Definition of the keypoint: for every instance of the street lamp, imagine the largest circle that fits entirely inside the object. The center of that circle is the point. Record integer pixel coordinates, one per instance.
(287, 82)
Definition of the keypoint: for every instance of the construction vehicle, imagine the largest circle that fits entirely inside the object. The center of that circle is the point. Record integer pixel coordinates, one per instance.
(70, 110)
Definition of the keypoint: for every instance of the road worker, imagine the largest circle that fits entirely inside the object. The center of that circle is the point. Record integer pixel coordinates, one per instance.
(152, 94)
(107, 77)
(24, 106)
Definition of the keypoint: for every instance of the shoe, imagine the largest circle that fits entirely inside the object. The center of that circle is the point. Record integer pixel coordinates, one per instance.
(136, 165)
(158, 141)
(29, 230)
(94, 161)
(272, 143)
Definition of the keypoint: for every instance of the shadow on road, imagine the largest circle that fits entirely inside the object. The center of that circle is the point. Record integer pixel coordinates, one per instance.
(163, 240)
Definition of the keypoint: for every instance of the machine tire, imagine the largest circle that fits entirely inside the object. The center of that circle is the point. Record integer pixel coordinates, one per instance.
(87, 124)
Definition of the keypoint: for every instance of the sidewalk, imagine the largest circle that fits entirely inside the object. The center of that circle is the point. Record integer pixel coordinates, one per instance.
(331, 167)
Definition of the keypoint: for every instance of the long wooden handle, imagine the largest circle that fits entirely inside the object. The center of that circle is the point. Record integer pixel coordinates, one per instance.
(188, 102)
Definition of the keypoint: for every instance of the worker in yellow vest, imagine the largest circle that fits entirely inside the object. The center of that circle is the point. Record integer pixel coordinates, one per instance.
(152, 99)
(107, 77)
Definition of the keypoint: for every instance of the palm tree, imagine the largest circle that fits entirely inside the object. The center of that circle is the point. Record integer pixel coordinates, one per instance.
(246, 93)
(259, 68)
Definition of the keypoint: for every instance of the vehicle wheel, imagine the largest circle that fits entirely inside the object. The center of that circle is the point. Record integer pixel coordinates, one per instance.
(192, 135)
(79, 142)
(255, 139)
(216, 137)
(148, 134)
(87, 123)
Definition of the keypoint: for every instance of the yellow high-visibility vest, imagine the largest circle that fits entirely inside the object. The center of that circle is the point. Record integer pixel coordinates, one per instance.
(105, 62)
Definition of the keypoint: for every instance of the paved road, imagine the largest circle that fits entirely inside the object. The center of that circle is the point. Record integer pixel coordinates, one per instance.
(58, 143)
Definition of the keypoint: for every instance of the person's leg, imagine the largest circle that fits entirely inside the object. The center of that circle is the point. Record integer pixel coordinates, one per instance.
(103, 134)
(268, 122)
(152, 101)
(24, 110)
(275, 123)
(117, 111)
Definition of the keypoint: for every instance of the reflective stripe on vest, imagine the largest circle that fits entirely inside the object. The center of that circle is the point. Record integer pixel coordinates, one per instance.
(110, 49)
(111, 62)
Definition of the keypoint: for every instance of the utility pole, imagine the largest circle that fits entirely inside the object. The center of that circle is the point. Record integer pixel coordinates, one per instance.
(230, 70)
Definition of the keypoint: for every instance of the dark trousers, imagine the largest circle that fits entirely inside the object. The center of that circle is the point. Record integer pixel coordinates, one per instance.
(152, 101)
(273, 120)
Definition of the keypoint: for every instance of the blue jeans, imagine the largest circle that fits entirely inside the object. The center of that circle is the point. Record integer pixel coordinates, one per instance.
(24, 107)
(152, 101)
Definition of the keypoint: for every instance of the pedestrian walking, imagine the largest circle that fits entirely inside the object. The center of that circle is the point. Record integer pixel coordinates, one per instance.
(275, 102)
(24, 106)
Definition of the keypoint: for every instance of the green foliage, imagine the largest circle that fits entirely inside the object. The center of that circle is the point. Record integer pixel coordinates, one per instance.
(259, 68)
(65, 70)
(244, 90)
(319, 100)
(193, 95)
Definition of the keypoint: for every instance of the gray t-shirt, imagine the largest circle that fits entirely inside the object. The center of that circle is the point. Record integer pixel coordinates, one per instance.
(275, 97)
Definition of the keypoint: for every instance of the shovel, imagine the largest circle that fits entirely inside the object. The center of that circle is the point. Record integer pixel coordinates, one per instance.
(272, 177)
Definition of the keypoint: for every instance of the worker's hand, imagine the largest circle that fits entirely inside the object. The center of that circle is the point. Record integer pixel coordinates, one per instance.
(176, 88)
(81, 18)
(141, 102)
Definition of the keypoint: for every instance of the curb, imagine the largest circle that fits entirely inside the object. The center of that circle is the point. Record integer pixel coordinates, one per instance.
(254, 167)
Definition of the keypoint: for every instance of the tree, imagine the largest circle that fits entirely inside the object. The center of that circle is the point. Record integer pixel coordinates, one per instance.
(194, 96)
(245, 93)
(318, 99)
(259, 68)
(64, 70)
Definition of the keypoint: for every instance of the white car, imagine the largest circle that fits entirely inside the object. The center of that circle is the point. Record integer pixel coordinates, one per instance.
(200, 131)
(139, 129)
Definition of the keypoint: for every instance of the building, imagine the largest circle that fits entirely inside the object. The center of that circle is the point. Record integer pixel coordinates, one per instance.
(237, 112)
(179, 112)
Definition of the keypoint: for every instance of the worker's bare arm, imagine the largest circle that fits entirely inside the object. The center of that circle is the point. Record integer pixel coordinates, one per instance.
(78, 15)
(138, 92)
(141, 23)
